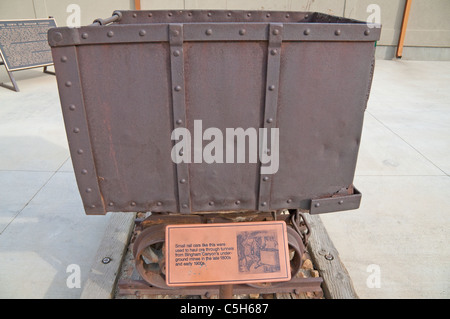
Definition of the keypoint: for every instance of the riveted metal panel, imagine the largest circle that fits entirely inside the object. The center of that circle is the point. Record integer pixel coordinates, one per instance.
(336, 203)
(270, 110)
(127, 94)
(139, 78)
(322, 99)
(256, 31)
(217, 93)
(179, 112)
(74, 109)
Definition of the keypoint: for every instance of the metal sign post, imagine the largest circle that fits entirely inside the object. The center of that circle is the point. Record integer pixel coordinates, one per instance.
(14, 86)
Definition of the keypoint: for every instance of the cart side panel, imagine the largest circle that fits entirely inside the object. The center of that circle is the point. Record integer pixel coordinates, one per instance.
(225, 89)
(322, 99)
(77, 128)
(126, 89)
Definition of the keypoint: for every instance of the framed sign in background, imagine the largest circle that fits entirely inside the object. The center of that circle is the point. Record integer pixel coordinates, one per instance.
(24, 45)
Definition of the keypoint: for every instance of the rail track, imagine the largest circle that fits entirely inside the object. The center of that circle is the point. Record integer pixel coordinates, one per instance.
(134, 284)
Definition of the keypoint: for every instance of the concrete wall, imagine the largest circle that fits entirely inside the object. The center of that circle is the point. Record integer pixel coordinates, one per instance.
(427, 37)
(428, 33)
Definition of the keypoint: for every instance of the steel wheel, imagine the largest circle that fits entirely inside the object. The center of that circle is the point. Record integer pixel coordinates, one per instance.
(149, 255)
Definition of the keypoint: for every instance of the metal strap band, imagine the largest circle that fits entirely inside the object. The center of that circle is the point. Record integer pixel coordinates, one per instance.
(235, 31)
(72, 103)
(270, 109)
(179, 110)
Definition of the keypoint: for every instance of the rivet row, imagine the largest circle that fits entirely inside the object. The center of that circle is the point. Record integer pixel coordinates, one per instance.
(210, 14)
(77, 130)
(159, 203)
(210, 203)
(209, 32)
(131, 203)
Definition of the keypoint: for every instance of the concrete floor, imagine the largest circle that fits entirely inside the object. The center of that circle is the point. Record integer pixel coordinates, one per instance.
(401, 231)
(43, 228)
(394, 246)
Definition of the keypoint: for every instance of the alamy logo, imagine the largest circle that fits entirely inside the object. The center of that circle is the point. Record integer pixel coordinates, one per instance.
(374, 279)
(374, 18)
(74, 279)
(74, 18)
(238, 144)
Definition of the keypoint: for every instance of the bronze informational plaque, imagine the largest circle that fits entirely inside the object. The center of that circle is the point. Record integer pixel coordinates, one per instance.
(229, 253)
(24, 44)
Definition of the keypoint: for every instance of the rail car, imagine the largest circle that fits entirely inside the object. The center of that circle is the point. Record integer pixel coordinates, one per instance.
(214, 116)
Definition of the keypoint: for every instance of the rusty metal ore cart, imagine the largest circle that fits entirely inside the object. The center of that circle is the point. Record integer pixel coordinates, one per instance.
(128, 81)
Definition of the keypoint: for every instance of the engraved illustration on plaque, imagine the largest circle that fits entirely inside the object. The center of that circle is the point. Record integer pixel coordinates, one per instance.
(258, 252)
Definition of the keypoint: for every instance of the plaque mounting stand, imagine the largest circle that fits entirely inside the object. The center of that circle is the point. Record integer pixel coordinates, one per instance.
(47, 71)
(14, 86)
